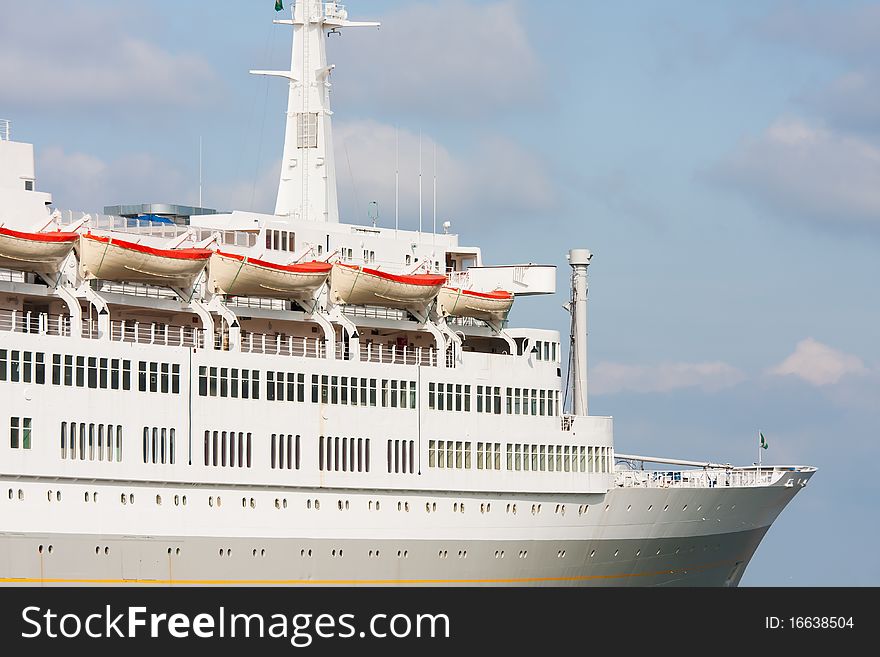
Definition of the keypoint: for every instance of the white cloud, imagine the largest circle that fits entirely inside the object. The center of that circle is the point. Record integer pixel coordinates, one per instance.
(611, 378)
(494, 180)
(808, 171)
(90, 55)
(819, 364)
(81, 181)
(451, 58)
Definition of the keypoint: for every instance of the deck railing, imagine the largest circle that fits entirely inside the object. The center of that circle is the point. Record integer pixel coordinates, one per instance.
(707, 478)
(405, 355)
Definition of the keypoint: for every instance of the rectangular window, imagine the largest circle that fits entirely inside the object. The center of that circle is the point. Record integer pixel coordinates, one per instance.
(301, 387)
(56, 368)
(40, 368)
(175, 379)
(334, 389)
(255, 385)
(412, 394)
(165, 383)
(431, 396)
(203, 381)
(93, 372)
(458, 394)
(154, 377)
(14, 432)
(432, 453)
(126, 375)
(510, 401)
(509, 456)
(114, 374)
(467, 399)
(80, 371)
(270, 386)
(233, 382)
(307, 130)
(372, 392)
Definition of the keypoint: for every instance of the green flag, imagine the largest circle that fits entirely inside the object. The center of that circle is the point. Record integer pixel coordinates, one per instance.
(764, 443)
(279, 6)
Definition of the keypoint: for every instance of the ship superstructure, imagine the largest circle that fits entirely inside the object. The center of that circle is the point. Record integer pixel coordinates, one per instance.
(290, 398)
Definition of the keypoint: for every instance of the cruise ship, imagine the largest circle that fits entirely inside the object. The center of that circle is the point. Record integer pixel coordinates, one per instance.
(289, 399)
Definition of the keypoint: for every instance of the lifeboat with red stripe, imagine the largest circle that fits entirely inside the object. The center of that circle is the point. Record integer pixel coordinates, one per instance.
(112, 259)
(350, 284)
(34, 252)
(241, 276)
(488, 306)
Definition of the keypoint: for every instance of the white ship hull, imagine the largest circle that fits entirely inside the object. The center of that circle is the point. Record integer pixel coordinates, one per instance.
(297, 545)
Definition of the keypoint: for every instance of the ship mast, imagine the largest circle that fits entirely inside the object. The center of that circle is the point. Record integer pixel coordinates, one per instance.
(307, 186)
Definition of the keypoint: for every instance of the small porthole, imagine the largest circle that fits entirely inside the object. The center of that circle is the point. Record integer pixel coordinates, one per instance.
(592, 553)
(40, 549)
(57, 495)
(131, 498)
(263, 552)
(650, 506)
(253, 503)
(183, 499)
(177, 551)
(159, 500)
(666, 507)
(169, 550)
(284, 503)
(607, 507)
(616, 552)
(97, 549)
(629, 507)
(684, 508)
(50, 549)
(106, 550)
(638, 552)
(86, 496)
(277, 503)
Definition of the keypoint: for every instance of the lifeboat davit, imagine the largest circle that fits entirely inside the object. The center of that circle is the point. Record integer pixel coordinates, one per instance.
(112, 259)
(350, 284)
(488, 306)
(34, 252)
(238, 275)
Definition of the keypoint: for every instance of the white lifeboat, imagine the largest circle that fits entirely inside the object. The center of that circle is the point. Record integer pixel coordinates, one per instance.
(34, 252)
(350, 284)
(488, 306)
(241, 276)
(112, 259)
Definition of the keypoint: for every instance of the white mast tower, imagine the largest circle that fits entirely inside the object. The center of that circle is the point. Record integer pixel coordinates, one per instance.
(307, 188)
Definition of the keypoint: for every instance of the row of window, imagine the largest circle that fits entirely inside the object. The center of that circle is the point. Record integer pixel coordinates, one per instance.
(449, 397)
(229, 382)
(285, 452)
(558, 458)
(343, 454)
(544, 350)
(532, 401)
(22, 366)
(91, 442)
(354, 391)
(228, 449)
(456, 454)
(159, 447)
(401, 456)
(449, 454)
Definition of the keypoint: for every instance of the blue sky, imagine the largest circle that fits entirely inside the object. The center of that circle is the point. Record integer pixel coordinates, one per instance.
(722, 161)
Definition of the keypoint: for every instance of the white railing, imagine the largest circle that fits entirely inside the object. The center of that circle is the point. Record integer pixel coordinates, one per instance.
(136, 290)
(460, 279)
(406, 355)
(5, 130)
(280, 345)
(375, 311)
(706, 478)
(12, 276)
(16, 321)
(566, 422)
(151, 333)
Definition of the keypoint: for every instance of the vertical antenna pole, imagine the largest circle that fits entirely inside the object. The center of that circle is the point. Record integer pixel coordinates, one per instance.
(420, 187)
(396, 179)
(200, 171)
(434, 232)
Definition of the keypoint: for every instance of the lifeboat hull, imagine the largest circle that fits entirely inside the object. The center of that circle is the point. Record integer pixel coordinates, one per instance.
(236, 275)
(487, 306)
(111, 259)
(34, 252)
(370, 287)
